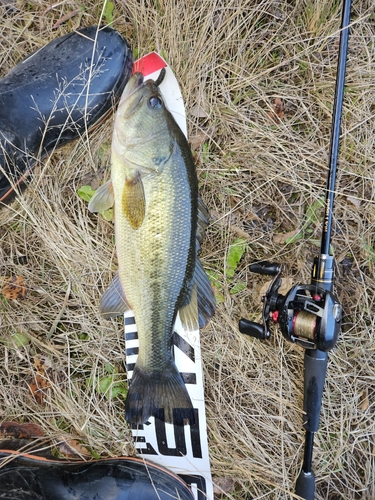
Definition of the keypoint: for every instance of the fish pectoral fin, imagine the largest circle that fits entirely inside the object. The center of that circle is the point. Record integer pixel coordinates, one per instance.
(133, 201)
(103, 198)
(189, 312)
(113, 302)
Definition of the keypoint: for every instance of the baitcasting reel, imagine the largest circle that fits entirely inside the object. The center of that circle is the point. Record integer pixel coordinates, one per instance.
(308, 315)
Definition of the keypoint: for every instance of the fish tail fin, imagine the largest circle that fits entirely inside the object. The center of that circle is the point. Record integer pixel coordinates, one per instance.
(151, 392)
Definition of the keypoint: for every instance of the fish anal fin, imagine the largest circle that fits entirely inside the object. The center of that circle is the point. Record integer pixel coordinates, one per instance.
(133, 201)
(102, 199)
(189, 312)
(113, 302)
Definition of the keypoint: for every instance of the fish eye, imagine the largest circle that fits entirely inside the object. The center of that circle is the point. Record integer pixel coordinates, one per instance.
(155, 102)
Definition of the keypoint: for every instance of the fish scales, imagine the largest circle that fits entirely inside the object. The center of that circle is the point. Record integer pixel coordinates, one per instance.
(159, 252)
(159, 222)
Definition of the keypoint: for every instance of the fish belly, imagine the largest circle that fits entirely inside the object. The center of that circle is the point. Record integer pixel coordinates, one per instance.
(156, 261)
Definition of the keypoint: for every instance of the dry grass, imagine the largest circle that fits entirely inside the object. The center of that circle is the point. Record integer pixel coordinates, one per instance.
(258, 177)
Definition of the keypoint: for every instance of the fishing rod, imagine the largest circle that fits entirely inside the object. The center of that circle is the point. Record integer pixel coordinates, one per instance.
(310, 315)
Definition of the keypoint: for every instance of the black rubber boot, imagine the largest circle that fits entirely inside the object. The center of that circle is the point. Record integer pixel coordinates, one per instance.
(55, 95)
(24, 476)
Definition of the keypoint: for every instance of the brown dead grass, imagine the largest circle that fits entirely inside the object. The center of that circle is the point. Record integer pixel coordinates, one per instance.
(258, 176)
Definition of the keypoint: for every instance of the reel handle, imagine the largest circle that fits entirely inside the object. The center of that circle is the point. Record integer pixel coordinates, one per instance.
(253, 329)
(265, 267)
(261, 330)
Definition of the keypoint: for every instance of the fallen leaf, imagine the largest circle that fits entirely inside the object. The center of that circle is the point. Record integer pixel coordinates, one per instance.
(235, 253)
(65, 18)
(14, 288)
(38, 386)
(108, 13)
(365, 402)
(241, 233)
(20, 339)
(97, 178)
(71, 448)
(264, 288)
(277, 113)
(17, 340)
(20, 431)
(285, 286)
(235, 203)
(51, 7)
(354, 201)
(199, 110)
(45, 375)
(223, 485)
(86, 192)
(43, 364)
(282, 238)
(197, 140)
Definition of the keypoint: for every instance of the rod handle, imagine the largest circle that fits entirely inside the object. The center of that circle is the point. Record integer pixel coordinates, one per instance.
(315, 368)
(305, 485)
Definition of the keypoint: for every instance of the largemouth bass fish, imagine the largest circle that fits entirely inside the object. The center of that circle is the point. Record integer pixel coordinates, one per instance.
(159, 224)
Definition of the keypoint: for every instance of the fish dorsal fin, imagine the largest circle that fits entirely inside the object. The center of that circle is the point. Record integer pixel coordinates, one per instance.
(102, 199)
(200, 305)
(133, 201)
(205, 295)
(203, 220)
(113, 302)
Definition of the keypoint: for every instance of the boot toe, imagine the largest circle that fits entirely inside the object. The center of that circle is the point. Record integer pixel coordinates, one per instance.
(55, 95)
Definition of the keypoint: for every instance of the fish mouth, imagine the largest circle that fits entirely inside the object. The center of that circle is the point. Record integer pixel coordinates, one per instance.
(128, 103)
(135, 83)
